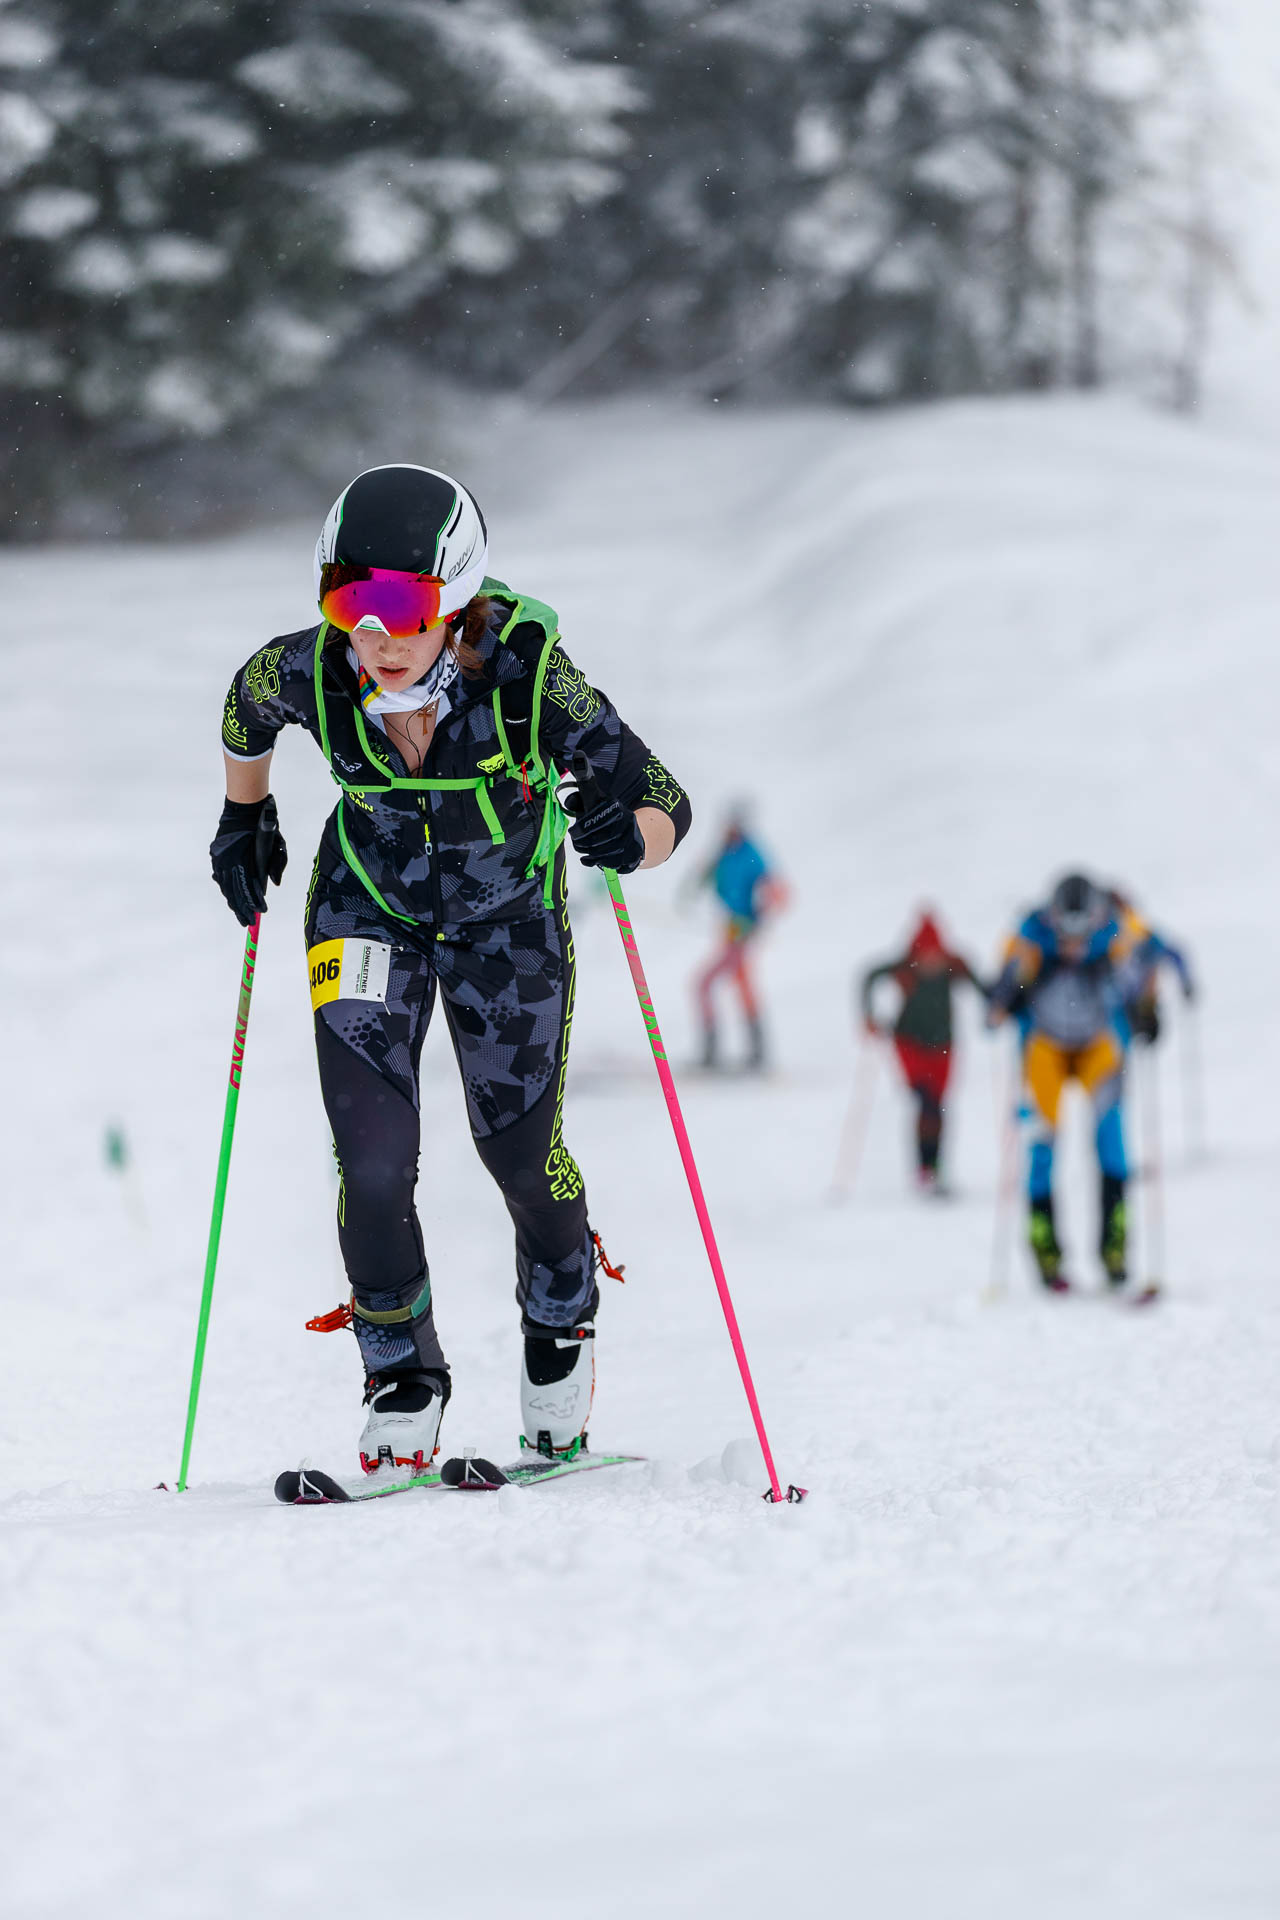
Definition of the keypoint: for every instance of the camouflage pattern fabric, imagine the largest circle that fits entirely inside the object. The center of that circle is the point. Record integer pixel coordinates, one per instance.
(433, 857)
(444, 879)
(507, 994)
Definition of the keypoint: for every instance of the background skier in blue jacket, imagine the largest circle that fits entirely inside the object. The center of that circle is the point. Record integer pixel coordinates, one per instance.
(749, 891)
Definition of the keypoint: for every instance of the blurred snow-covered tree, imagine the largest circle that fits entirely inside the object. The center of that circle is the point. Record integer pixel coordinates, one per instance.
(1132, 92)
(999, 145)
(205, 203)
(220, 218)
(875, 201)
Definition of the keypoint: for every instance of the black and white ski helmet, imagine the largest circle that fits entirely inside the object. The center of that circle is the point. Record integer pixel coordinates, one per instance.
(413, 519)
(1077, 907)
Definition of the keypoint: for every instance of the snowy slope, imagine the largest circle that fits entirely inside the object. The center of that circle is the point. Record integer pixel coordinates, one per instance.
(1018, 1654)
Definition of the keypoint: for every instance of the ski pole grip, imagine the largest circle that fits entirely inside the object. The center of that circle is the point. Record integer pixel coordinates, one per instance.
(585, 781)
(265, 840)
(264, 837)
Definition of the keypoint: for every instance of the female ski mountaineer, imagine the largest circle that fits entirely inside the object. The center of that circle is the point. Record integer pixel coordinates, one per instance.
(444, 704)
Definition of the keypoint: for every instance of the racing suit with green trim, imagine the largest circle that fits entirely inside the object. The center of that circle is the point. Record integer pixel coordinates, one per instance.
(459, 871)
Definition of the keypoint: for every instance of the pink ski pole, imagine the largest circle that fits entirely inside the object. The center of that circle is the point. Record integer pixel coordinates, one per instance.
(592, 796)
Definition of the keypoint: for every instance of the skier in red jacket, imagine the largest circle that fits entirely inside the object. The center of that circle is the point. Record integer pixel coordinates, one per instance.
(924, 976)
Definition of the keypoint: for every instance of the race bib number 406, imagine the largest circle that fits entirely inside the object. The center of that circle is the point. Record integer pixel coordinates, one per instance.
(348, 970)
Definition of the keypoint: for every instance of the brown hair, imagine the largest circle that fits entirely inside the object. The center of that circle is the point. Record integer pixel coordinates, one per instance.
(464, 644)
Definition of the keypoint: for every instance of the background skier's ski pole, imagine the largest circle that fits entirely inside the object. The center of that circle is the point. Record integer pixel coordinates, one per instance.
(592, 796)
(1152, 1173)
(266, 830)
(998, 1284)
(1193, 1113)
(857, 1120)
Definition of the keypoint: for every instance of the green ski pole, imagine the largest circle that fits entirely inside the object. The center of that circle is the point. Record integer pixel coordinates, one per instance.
(266, 828)
(220, 1189)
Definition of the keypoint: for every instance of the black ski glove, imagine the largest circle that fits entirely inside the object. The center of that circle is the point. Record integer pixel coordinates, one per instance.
(247, 850)
(604, 834)
(1144, 1019)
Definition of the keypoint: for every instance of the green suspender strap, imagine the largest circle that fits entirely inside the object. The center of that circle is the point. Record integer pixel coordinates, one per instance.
(534, 772)
(541, 777)
(555, 821)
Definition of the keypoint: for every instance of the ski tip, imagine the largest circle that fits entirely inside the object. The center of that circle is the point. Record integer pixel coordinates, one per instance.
(472, 1474)
(307, 1487)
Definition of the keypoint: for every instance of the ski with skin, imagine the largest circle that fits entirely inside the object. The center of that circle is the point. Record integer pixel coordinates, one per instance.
(309, 1487)
(473, 1474)
(1149, 1294)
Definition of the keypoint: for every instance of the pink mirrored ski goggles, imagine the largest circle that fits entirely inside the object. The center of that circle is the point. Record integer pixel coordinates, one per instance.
(405, 603)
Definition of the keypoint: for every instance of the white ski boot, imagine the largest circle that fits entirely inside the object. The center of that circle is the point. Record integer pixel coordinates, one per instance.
(403, 1428)
(557, 1381)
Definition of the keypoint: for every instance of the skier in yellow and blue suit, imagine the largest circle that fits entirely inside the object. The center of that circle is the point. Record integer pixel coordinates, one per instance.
(1157, 949)
(1070, 974)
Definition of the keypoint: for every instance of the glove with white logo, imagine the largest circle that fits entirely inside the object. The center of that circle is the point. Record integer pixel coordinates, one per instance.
(606, 834)
(247, 851)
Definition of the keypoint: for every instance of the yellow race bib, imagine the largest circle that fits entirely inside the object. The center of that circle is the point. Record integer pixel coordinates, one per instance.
(348, 970)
